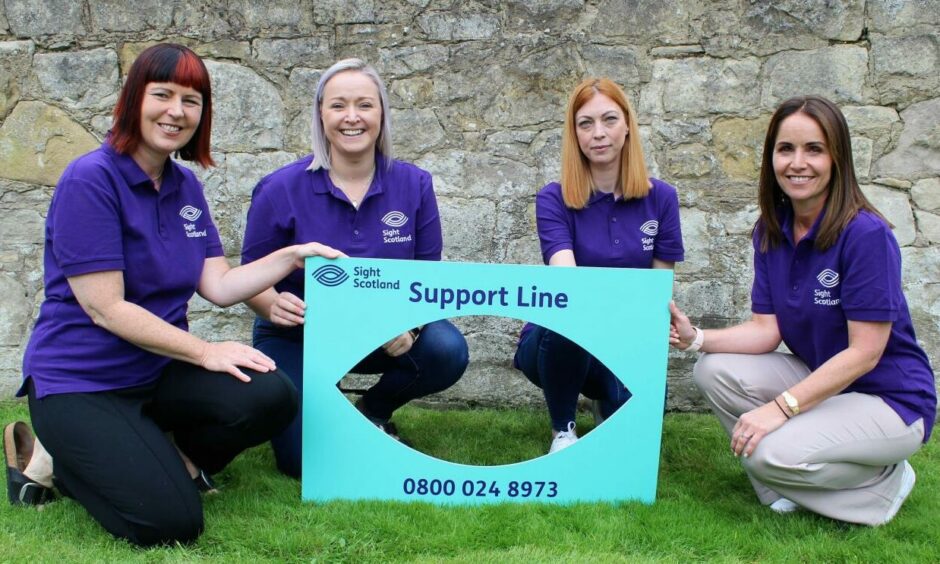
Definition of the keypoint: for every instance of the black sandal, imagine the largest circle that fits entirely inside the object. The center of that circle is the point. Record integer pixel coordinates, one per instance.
(18, 443)
(205, 483)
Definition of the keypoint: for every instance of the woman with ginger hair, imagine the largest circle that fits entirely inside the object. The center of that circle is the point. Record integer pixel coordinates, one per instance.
(605, 212)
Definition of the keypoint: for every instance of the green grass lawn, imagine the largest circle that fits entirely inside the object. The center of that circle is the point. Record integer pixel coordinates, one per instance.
(705, 511)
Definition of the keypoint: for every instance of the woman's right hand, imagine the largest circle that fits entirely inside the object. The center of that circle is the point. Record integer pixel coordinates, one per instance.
(287, 310)
(305, 250)
(229, 356)
(681, 332)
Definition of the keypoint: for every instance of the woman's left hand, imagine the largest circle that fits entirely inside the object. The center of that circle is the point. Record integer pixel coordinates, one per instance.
(399, 345)
(753, 426)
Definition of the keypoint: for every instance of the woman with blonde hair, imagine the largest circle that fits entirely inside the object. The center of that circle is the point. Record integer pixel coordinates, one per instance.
(605, 212)
(352, 195)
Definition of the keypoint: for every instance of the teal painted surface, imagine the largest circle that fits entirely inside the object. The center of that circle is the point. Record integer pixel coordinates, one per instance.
(354, 305)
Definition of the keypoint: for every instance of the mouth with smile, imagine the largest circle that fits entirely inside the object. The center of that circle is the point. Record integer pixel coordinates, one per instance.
(352, 132)
(800, 179)
(169, 128)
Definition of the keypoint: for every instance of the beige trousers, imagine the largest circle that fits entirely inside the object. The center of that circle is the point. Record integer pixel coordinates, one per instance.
(839, 459)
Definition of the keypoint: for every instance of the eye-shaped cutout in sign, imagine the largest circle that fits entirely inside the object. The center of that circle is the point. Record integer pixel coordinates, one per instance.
(621, 316)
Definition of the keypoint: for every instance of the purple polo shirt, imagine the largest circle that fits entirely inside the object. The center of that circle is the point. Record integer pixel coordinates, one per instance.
(609, 232)
(105, 215)
(815, 293)
(397, 219)
(612, 233)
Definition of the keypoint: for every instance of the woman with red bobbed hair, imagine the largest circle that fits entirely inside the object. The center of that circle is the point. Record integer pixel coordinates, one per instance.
(135, 411)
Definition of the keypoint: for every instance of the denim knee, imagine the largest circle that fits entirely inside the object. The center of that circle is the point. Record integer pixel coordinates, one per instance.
(443, 351)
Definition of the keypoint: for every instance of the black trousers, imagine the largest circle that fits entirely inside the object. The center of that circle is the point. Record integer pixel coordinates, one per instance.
(111, 453)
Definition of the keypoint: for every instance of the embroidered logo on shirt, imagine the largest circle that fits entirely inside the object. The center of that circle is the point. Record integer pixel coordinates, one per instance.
(651, 228)
(330, 275)
(828, 278)
(189, 213)
(394, 219)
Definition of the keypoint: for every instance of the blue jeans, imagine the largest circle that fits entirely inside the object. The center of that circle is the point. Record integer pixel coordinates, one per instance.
(435, 362)
(563, 370)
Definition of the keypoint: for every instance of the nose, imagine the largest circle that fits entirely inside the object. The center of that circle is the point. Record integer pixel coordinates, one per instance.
(598, 131)
(175, 107)
(351, 114)
(799, 159)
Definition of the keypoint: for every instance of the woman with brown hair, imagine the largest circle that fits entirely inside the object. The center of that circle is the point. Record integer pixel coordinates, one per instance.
(829, 427)
(605, 212)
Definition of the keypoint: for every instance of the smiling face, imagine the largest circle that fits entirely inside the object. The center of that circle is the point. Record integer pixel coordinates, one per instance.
(802, 163)
(351, 113)
(601, 127)
(169, 116)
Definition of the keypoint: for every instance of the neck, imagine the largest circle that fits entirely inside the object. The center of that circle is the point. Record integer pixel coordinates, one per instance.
(353, 169)
(605, 177)
(804, 216)
(152, 164)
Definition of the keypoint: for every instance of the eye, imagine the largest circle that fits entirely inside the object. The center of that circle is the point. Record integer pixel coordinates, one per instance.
(784, 148)
(611, 119)
(160, 94)
(584, 124)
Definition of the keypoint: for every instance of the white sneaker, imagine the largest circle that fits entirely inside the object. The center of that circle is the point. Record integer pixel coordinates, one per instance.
(907, 484)
(564, 439)
(784, 505)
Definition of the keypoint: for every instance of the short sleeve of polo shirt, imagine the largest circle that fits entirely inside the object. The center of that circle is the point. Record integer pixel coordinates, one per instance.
(761, 300)
(552, 221)
(669, 239)
(266, 228)
(870, 265)
(429, 241)
(85, 226)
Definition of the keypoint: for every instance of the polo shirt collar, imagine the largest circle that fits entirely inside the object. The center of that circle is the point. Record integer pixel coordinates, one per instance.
(378, 181)
(135, 176)
(597, 195)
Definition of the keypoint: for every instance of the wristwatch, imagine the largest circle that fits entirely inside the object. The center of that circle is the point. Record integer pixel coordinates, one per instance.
(791, 402)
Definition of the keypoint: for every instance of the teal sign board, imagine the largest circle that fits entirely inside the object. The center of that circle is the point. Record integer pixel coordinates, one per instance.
(354, 305)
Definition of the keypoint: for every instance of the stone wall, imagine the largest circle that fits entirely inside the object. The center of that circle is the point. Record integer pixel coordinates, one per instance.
(478, 91)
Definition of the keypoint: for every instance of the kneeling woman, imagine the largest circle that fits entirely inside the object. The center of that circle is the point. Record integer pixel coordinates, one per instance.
(118, 388)
(830, 426)
(342, 196)
(605, 212)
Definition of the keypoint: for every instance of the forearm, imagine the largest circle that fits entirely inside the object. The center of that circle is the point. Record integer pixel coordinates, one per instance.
(261, 304)
(147, 331)
(831, 378)
(233, 285)
(750, 337)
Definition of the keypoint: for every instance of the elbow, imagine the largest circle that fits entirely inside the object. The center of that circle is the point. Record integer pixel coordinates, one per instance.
(98, 317)
(870, 360)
